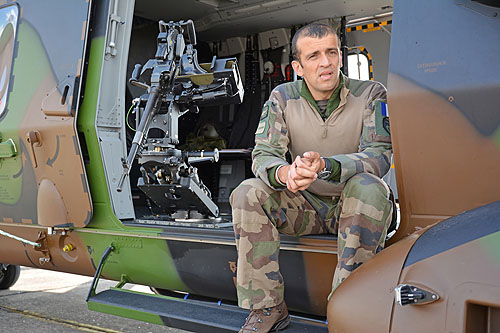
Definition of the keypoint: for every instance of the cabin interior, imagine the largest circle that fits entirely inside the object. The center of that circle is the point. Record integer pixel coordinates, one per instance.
(256, 33)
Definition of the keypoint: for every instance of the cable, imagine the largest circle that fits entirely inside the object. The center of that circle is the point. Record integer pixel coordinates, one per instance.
(126, 118)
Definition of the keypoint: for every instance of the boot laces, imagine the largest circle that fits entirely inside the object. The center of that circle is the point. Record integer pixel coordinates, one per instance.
(258, 313)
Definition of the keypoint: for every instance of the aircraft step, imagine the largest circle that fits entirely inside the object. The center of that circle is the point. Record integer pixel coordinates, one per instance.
(191, 315)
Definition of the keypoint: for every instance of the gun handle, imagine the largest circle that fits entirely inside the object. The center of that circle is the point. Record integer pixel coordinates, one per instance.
(134, 79)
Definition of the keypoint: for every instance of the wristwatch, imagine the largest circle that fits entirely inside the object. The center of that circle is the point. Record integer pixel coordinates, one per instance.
(327, 171)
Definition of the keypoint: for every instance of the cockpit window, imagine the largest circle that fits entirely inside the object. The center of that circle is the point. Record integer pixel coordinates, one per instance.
(8, 28)
(358, 66)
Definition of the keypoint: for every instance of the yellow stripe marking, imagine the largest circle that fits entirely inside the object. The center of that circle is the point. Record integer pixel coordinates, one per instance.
(65, 322)
(369, 27)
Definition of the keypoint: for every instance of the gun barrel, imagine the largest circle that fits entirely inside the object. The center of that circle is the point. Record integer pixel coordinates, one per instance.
(211, 155)
(139, 134)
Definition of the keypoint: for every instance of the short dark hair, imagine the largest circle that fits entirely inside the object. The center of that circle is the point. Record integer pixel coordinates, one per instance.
(315, 30)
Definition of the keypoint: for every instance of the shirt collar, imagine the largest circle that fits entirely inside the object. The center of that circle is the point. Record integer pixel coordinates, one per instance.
(333, 100)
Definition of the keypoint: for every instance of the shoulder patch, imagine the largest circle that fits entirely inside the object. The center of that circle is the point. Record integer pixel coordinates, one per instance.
(265, 111)
(264, 119)
(382, 126)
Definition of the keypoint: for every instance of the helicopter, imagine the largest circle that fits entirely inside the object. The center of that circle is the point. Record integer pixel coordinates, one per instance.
(124, 127)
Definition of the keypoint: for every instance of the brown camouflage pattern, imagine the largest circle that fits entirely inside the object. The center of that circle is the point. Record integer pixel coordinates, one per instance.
(359, 212)
(360, 217)
(374, 151)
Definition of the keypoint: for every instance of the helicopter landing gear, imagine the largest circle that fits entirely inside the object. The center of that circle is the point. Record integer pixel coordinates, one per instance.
(8, 275)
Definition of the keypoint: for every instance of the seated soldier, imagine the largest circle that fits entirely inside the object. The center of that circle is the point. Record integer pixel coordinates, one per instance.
(336, 131)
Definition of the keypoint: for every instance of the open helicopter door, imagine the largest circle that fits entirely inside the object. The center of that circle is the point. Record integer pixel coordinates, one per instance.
(42, 177)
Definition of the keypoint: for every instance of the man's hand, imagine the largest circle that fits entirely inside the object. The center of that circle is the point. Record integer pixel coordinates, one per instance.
(315, 160)
(302, 172)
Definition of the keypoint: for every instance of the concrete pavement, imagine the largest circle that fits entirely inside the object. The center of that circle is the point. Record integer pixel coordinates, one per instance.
(47, 301)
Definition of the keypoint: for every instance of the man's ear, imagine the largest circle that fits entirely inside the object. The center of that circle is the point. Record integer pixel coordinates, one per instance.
(340, 62)
(297, 67)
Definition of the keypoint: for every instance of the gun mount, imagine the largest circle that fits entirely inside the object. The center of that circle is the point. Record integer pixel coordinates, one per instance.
(178, 84)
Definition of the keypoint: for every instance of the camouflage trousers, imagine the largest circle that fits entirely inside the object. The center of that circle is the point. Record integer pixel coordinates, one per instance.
(360, 218)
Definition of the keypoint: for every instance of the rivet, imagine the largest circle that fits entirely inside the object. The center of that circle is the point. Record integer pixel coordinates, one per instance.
(451, 98)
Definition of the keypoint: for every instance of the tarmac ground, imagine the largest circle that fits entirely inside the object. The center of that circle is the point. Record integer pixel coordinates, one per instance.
(47, 301)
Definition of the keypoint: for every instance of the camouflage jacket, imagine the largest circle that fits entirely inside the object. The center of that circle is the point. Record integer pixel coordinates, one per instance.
(356, 134)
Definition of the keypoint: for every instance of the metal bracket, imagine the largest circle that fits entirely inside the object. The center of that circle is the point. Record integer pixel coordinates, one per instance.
(123, 281)
(97, 275)
(408, 294)
(42, 240)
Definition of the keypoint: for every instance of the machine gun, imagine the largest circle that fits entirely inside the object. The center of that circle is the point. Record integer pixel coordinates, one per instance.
(178, 84)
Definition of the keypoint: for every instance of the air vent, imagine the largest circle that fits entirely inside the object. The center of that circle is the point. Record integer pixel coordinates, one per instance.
(482, 318)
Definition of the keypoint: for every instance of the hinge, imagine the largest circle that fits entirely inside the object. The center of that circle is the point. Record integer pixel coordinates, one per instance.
(114, 21)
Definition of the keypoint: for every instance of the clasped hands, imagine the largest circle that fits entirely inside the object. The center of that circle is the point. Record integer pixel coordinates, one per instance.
(302, 172)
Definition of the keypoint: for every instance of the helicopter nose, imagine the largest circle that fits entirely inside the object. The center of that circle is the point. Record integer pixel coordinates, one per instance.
(364, 301)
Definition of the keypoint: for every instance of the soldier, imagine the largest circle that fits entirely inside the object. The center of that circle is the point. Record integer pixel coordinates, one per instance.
(336, 131)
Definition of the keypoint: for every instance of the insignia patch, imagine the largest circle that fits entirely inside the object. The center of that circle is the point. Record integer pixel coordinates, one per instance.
(265, 111)
(381, 119)
(261, 128)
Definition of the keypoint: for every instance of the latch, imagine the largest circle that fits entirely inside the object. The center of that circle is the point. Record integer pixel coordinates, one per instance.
(408, 294)
(35, 140)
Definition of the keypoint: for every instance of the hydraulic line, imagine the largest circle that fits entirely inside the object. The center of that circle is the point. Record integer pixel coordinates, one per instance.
(19, 239)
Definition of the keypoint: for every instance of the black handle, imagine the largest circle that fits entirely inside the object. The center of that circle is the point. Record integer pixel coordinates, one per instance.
(134, 79)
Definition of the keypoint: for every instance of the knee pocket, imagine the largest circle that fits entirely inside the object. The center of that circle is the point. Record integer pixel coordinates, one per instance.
(249, 191)
(367, 188)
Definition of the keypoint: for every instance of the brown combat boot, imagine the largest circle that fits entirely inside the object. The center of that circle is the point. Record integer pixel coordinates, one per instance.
(267, 320)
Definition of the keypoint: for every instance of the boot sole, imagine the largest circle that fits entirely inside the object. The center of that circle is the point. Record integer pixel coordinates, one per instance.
(281, 325)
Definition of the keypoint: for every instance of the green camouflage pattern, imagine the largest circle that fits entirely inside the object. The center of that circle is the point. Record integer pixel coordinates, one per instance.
(272, 137)
(360, 216)
(40, 96)
(375, 148)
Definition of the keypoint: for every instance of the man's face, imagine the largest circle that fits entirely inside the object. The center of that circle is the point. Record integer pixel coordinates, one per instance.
(320, 62)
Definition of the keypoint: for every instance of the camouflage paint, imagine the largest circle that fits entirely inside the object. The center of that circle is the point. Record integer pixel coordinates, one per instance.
(86, 127)
(10, 168)
(38, 192)
(131, 251)
(491, 247)
(459, 276)
(131, 259)
(443, 102)
(210, 270)
(370, 291)
(143, 260)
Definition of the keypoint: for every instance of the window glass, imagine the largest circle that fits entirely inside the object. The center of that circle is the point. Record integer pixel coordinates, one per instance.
(358, 67)
(8, 27)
